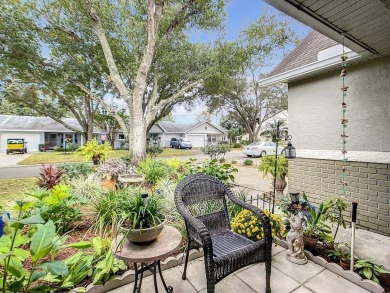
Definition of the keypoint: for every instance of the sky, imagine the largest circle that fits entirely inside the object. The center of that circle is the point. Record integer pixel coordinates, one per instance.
(240, 13)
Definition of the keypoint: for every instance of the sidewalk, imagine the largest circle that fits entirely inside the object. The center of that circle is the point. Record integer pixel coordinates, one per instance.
(285, 277)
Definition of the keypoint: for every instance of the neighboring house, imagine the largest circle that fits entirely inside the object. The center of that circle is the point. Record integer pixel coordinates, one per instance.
(40, 130)
(37, 130)
(312, 72)
(199, 134)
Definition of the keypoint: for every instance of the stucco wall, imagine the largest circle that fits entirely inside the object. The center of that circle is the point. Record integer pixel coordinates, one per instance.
(315, 109)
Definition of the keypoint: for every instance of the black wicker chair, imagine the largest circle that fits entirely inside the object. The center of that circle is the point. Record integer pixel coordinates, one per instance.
(201, 200)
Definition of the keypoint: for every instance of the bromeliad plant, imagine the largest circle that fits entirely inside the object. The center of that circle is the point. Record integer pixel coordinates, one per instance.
(49, 176)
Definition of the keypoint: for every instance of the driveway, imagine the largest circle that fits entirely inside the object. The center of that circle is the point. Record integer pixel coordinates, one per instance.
(11, 160)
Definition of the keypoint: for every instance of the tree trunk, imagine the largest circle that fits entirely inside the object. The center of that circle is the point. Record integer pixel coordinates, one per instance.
(137, 140)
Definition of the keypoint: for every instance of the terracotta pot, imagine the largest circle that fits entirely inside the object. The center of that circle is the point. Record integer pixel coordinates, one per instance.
(109, 184)
(310, 242)
(144, 235)
(384, 280)
(345, 264)
(280, 184)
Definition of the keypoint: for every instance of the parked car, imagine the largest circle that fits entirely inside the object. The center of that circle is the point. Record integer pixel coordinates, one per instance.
(261, 149)
(17, 145)
(180, 143)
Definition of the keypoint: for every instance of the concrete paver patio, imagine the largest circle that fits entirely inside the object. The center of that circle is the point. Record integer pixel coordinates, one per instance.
(286, 277)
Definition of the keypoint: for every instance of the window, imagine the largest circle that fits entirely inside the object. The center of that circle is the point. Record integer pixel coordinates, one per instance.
(122, 136)
(211, 138)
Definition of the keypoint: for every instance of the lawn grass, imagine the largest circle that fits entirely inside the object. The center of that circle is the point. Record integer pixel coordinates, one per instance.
(12, 190)
(60, 157)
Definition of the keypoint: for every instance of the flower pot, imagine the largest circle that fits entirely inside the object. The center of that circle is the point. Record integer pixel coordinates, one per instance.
(144, 235)
(384, 280)
(310, 242)
(345, 264)
(280, 184)
(96, 161)
(109, 184)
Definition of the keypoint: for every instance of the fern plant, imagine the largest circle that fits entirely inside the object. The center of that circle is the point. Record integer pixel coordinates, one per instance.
(267, 166)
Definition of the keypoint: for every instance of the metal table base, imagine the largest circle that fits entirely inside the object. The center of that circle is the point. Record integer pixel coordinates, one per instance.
(153, 269)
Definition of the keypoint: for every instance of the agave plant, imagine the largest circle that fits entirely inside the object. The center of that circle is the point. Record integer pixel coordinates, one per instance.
(49, 176)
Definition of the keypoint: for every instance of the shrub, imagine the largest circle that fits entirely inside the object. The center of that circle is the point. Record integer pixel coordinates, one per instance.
(154, 170)
(216, 151)
(248, 162)
(87, 188)
(112, 168)
(49, 176)
(76, 169)
(236, 145)
(221, 171)
(247, 225)
(233, 162)
(222, 160)
(106, 210)
(70, 147)
(153, 150)
(59, 206)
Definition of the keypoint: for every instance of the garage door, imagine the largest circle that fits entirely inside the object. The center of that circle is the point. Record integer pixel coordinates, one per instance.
(197, 140)
(32, 139)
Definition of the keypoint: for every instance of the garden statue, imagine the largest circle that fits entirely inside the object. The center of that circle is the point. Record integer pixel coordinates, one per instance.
(294, 239)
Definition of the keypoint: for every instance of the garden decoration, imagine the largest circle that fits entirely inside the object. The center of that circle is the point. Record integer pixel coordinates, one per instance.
(294, 237)
(130, 177)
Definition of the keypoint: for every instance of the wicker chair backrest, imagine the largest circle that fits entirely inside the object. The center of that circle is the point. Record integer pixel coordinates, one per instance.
(204, 197)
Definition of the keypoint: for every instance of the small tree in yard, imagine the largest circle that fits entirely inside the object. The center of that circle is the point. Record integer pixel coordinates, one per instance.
(137, 51)
(216, 151)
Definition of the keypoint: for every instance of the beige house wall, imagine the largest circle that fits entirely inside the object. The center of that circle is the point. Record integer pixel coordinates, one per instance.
(314, 107)
(315, 125)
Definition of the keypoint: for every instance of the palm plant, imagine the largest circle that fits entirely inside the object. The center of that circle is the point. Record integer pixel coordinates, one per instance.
(94, 151)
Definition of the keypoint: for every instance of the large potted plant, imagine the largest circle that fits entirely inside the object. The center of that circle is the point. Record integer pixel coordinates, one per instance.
(315, 226)
(141, 216)
(267, 166)
(94, 151)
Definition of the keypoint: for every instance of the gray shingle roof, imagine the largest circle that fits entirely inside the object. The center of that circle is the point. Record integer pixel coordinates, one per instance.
(305, 53)
(172, 127)
(31, 123)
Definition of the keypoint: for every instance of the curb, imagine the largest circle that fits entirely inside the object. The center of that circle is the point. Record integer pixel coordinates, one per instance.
(335, 268)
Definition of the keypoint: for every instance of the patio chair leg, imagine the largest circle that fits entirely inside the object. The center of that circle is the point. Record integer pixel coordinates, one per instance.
(268, 276)
(186, 262)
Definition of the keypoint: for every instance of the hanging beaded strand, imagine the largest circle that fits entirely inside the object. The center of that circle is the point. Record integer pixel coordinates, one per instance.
(344, 120)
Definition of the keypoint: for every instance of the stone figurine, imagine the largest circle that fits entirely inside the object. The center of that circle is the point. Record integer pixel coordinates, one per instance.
(294, 239)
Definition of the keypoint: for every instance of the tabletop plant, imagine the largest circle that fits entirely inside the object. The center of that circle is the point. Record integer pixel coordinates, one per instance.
(94, 151)
(141, 210)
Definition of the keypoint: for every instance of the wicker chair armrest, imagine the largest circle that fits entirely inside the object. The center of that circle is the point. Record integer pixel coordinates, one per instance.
(200, 228)
(257, 212)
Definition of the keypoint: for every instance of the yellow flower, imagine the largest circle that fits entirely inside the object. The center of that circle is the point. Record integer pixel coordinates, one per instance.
(239, 231)
(249, 234)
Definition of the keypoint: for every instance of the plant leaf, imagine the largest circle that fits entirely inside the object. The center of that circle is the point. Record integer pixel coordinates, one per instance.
(55, 267)
(42, 240)
(80, 244)
(367, 273)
